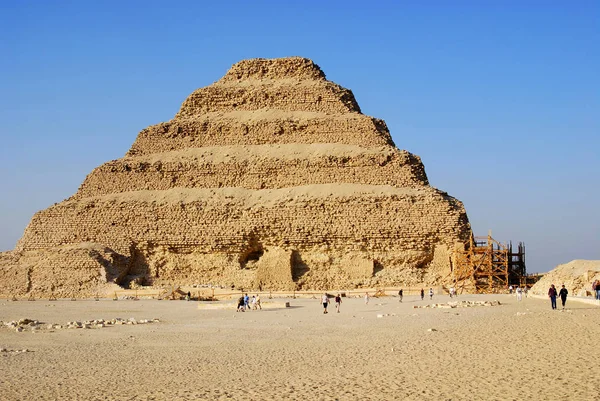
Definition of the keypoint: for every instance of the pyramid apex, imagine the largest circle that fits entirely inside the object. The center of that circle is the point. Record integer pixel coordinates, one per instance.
(276, 68)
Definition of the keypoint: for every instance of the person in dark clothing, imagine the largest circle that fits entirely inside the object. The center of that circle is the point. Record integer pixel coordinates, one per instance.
(240, 306)
(422, 294)
(563, 295)
(400, 294)
(552, 295)
(338, 302)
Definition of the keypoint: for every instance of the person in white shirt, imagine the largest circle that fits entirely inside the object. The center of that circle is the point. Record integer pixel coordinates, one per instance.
(257, 302)
(519, 293)
(325, 302)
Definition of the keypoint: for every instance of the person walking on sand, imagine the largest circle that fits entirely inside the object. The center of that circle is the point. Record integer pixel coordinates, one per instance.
(240, 307)
(325, 302)
(422, 294)
(258, 302)
(400, 294)
(552, 295)
(563, 296)
(430, 293)
(246, 302)
(596, 289)
(366, 298)
(519, 293)
(253, 302)
(338, 302)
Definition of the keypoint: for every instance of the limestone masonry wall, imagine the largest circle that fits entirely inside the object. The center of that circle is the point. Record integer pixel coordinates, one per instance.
(71, 271)
(273, 69)
(201, 170)
(319, 96)
(259, 128)
(221, 221)
(270, 178)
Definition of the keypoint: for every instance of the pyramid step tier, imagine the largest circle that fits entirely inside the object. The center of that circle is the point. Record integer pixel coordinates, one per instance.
(257, 167)
(299, 68)
(345, 216)
(287, 95)
(262, 127)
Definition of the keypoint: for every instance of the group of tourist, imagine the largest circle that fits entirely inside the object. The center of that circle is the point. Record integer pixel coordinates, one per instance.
(338, 298)
(518, 291)
(245, 303)
(430, 294)
(338, 302)
(562, 294)
(552, 294)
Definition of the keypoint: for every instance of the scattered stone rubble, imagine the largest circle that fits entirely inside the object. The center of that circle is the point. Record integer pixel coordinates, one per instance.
(460, 304)
(6, 351)
(34, 326)
(380, 315)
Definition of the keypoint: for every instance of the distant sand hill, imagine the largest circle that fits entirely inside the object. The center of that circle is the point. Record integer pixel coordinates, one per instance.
(577, 276)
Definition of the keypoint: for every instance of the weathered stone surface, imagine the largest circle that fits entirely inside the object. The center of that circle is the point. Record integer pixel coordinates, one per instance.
(271, 177)
(77, 270)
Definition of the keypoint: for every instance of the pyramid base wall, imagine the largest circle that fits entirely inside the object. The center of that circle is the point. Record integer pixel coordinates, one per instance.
(75, 271)
(78, 272)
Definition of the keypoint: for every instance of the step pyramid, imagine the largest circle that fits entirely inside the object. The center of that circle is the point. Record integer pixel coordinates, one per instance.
(270, 178)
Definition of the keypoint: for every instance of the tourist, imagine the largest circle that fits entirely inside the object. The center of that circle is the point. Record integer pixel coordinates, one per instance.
(338, 302)
(519, 293)
(246, 302)
(510, 288)
(552, 296)
(366, 298)
(240, 307)
(325, 302)
(451, 292)
(430, 293)
(422, 294)
(596, 289)
(253, 302)
(563, 296)
(188, 296)
(258, 302)
(400, 294)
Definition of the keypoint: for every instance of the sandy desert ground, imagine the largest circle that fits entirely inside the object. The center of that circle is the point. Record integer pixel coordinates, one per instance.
(515, 351)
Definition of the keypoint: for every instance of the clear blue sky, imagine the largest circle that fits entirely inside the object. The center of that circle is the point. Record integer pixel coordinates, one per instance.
(501, 99)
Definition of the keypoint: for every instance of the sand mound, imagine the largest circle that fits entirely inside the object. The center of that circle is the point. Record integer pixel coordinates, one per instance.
(577, 276)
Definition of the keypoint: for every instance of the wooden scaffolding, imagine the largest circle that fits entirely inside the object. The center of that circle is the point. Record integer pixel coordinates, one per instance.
(488, 266)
